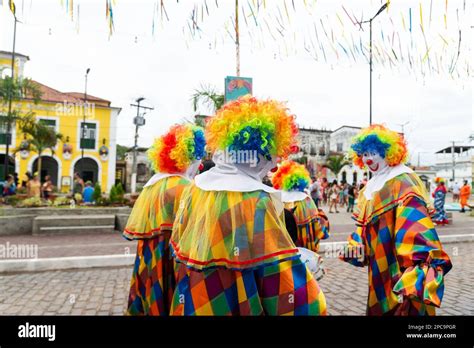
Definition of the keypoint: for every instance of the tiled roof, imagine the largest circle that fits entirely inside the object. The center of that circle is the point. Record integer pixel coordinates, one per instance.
(53, 95)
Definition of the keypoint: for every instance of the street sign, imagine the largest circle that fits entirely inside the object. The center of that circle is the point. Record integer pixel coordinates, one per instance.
(236, 87)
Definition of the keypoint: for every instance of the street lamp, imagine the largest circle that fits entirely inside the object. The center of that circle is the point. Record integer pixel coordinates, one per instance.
(370, 59)
(84, 128)
(9, 122)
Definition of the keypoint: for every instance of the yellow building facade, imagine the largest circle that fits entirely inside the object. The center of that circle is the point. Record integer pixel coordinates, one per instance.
(88, 126)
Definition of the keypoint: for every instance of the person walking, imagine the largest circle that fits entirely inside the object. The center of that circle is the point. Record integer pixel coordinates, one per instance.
(351, 194)
(439, 195)
(333, 194)
(464, 195)
(456, 191)
(315, 192)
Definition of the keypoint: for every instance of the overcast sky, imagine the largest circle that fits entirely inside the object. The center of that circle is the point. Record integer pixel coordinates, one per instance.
(166, 67)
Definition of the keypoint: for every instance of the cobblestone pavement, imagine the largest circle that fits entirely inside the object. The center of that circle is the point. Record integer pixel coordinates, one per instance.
(104, 291)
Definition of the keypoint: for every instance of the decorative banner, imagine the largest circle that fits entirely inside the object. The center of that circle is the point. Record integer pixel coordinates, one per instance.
(67, 151)
(328, 33)
(24, 149)
(236, 87)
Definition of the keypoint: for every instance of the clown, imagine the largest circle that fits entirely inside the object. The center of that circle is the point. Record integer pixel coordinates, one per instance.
(175, 158)
(439, 195)
(395, 234)
(233, 253)
(312, 224)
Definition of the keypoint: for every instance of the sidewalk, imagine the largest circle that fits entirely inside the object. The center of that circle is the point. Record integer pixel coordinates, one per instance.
(99, 250)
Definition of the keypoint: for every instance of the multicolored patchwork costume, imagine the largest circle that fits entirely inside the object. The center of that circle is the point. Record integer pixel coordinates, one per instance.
(236, 258)
(401, 248)
(175, 157)
(312, 223)
(440, 217)
(151, 222)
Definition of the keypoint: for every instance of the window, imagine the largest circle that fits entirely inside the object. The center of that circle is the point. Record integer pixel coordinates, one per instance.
(339, 147)
(49, 123)
(88, 135)
(3, 133)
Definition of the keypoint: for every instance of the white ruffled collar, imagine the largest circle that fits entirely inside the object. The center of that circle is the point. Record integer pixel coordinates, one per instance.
(379, 179)
(293, 196)
(188, 174)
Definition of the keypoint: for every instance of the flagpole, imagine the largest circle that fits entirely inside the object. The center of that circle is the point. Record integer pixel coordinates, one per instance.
(237, 37)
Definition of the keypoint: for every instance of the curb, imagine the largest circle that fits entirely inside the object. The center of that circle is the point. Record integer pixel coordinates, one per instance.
(62, 263)
(101, 261)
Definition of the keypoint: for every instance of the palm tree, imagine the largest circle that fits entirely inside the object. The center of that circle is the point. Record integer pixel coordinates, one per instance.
(40, 137)
(335, 163)
(208, 96)
(13, 90)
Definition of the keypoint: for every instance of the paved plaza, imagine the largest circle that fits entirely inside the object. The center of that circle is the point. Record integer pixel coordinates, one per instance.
(103, 291)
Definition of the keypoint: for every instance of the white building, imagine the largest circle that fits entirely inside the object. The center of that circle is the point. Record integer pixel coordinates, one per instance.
(455, 163)
(340, 141)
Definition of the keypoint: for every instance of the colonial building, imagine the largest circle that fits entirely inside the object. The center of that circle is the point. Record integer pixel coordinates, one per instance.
(86, 147)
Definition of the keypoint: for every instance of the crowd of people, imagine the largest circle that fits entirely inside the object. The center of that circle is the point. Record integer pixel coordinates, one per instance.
(32, 186)
(335, 195)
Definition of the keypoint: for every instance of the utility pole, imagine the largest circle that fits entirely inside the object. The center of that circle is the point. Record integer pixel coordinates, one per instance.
(370, 57)
(403, 127)
(138, 121)
(84, 128)
(9, 123)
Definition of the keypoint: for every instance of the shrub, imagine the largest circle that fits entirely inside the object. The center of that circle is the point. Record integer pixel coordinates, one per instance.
(97, 195)
(12, 200)
(116, 194)
(113, 194)
(31, 202)
(61, 201)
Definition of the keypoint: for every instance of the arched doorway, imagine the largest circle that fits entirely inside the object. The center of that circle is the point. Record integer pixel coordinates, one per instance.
(11, 166)
(344, 177)
(87, 169)
(49, 166)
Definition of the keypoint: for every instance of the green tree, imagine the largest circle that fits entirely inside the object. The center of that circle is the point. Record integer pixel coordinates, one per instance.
(40, 137)
(13, 90)
(209, 96)
(121, 150)
(335, 163)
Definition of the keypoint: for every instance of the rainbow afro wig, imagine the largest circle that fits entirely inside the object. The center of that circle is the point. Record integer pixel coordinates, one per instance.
(291, 176)
(264, 126)
(174, 151)
(377, 138)
(439, 180)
